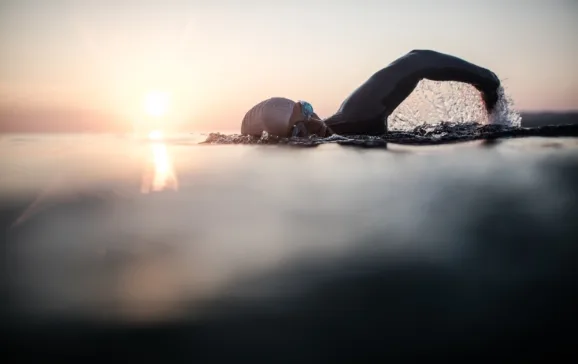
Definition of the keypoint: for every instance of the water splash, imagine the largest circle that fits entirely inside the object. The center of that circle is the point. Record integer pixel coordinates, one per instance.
(505, 113)
(454, 102)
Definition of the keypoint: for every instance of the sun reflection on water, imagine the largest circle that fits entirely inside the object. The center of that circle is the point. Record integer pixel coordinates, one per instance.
(161, 174)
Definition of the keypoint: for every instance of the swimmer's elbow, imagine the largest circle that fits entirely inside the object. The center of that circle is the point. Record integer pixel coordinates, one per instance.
(422, 51)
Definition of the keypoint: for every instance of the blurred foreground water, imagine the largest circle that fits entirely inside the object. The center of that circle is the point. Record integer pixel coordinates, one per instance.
(116, 248)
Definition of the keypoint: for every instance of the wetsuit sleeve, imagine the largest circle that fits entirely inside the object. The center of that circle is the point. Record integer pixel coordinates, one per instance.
(365, 111)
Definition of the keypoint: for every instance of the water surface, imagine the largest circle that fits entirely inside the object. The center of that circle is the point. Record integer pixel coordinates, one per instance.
(274, 252)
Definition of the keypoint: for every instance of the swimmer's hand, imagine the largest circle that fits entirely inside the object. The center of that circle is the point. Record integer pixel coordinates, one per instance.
(490, 100)
(490, 94)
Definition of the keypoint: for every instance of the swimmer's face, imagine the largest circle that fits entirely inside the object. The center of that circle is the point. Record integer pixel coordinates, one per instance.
(305, 129)
(317, 127)
(310, 122)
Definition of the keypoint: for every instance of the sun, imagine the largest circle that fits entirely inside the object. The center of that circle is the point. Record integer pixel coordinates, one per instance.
(156, 135)
(157, 103)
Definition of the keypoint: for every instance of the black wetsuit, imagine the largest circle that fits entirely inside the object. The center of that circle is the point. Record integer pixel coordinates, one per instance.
(366, 110)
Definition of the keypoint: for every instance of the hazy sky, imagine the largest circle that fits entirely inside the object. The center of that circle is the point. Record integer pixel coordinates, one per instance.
(218, 58)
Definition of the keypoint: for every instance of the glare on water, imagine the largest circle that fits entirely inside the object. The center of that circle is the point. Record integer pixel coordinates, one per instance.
(161, 174)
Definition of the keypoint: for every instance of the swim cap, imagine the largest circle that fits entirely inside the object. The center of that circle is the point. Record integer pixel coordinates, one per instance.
(272, 115)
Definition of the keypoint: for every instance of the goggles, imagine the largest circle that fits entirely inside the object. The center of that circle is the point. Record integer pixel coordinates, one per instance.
(306, 109)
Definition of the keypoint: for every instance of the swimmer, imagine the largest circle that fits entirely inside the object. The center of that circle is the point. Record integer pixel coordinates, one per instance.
(365, 111)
